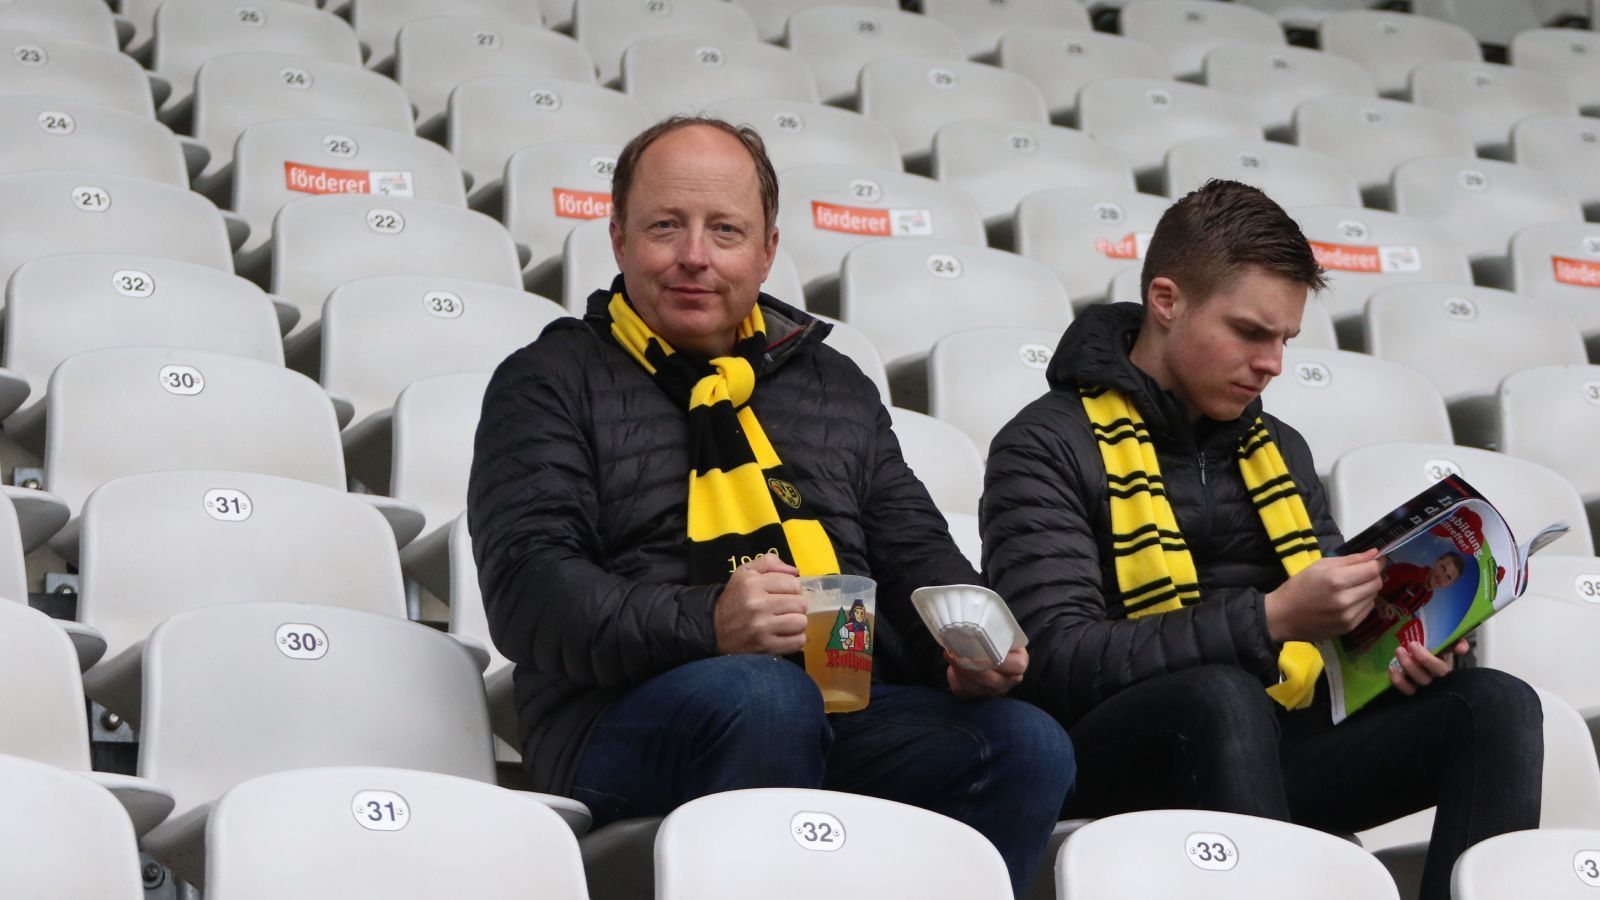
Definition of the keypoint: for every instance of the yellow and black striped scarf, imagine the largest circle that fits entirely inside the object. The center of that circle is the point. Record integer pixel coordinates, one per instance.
(1155, 573)
(741, 502)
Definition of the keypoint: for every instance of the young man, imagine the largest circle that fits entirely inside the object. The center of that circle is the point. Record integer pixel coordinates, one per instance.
(1159, 537)
(647, 487)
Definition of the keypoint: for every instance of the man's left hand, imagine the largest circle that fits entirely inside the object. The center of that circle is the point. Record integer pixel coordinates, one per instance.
(973, 685)
(1418, 668)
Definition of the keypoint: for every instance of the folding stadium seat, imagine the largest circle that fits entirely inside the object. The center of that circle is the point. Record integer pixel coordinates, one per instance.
(809, 134)
(321, 242)
(468, 619)
(1060, 61)
(606, 27)
(997, 162)
(40, 65)
(190, 32)
(64, 836)
(1087, 235)
(88, 645)
(685, 73)
(435, 54)
(1304, 14)
(944, 459)
(1365, 250)
(1481, 203)
(1544, 638)
(855, 345)
(1390, 44)
(276, 162)
(86, 21)
(983, 24)
(239, 90)
(966, 530)
(1566, 147)
(1493, 22)
(588, 265)
(1126, 286)
(1554, 864)
(1143, 118)
(772, 16)
(1465, 339)
(128, 410)
(1551, 415)
(1561, 263)
(1340, 401)
(47, 213)
(412, 834)
(907, 294)
(715, 847)
(916, 95)
(548, 190)
(49, 133)
(836, 41)
(1370, 481)
(1185, 30)
(1201, 852)
(1489, 98)
(235, 680)
(157, 544)
(1293, 176)
(492, 118)
(378, 22)
(826, 210)
(978, 379)
(1275, 80)
(1370, 137)
(1566, 54)
(57, 306)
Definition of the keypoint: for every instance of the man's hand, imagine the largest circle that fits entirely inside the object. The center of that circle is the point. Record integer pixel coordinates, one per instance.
(970, 685)
(1327, 599)
(761, 609)
(1414, 667)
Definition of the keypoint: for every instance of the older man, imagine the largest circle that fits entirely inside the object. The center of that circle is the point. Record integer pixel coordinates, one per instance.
(648, 486)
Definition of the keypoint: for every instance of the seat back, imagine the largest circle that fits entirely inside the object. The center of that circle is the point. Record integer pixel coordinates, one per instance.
(188, 33)
(13, 568)
(435, 54)
(1560, 262)
(1544, 637)
(1551, 415)
(685, 73)
(378, 22)
(1143, 118)
(1275, 80)
(1292, 176)
(1370, 136)
(837, 40)
(1488, 22)
(1567, 54)
(998, 162)
(982, 24)
(1185, 30)
(772, 16)
(552, 188)
(808, 134)
(128, 410)
(39, 678)
(88, 21)
(1390, 44)
(915, 95)
(717, 846)
(979, 379)
(1481, 202)
(1488, 98)
(1366, 250)
(1566, 147)
(45, 133)
(1550, 863)
(346, 832)
(944, 459)
(1060, 61)
(435, 421)
(607, 27)
(45, 65)
(859, 349)
(1087, 235)
(467, 617)
(64, 835)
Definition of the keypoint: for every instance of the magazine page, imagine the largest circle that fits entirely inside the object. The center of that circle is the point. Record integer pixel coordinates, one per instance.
(1440, 580)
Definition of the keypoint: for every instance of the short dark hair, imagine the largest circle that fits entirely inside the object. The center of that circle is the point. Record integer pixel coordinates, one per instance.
(1205, 240)
(766, 176)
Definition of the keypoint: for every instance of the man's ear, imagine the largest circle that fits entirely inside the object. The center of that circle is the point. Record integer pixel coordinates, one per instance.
(1161, 301)
(616, 240)
(772, 252)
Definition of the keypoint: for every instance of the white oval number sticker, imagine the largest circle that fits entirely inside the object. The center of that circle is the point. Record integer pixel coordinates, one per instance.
(226, 505)
(89, 198)
(1587, 865)
(443, 304)
(30, 55)
(185, 381)
(249, 15)
(1157, 97)
(486, 40)
(1313, 375)
(133, 283)
(1587, 587)
(1021, 143)
(380, 810)
(817, 831)
(1460, 308)
(54, 121)
(1440, 469)
(1591, 244)
(1352, 230)
(1591, 391)
(385, 221)
(788, 121)
(297, 640)
(299, 79)
(1472, 179)
(942, 78)
(862, 189)
(1034, 356)
(340, 145)
(709, 56)
(549, 101)
(1211, 851)
(603, 166)
(943, 266)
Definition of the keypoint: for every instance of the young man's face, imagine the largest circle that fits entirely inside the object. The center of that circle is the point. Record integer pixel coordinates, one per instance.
(1443, 573)
(1222, 350)
(692, 245)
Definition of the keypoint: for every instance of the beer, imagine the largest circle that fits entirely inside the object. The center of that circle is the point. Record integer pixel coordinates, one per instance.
(840, 633)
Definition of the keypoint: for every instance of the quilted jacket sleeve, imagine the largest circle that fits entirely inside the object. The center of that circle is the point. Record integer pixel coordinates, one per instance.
(532, 508)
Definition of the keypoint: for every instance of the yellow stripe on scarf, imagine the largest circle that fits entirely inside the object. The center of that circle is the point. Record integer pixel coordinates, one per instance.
(1155, 571)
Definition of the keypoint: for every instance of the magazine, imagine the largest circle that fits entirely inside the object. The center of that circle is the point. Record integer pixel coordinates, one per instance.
(1450, 563)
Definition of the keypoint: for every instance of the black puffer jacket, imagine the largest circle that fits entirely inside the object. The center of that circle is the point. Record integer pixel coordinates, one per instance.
(1046, 523)
(577, 505)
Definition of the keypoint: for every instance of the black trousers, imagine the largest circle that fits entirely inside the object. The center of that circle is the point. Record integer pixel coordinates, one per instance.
(1471, 744)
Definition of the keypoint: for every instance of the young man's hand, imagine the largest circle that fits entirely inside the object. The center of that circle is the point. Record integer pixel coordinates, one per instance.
(761, 609)
(973, 685)
(1326, 599)
(1414, 667)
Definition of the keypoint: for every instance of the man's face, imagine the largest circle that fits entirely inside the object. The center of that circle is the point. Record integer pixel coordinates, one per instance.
(692, 244)
(1443, 573)
(1223, 350)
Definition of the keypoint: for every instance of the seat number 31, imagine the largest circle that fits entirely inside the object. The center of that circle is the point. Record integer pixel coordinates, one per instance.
(380, 810)
(1211, 851)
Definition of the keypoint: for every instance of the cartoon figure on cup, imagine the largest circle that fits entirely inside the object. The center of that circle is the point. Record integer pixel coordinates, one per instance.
(856, 634)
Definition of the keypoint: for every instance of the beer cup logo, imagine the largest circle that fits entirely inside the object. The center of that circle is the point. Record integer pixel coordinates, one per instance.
(850, 643)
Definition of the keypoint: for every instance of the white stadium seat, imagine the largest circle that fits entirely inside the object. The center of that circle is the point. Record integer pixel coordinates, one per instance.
(1087, 235)
(1549, 863)
(1365, 250)
(685, 73)
(1560, 262)
(1568, 54)
(772, 16)
(1060, 61)
(944, 459)
(64, 836)
(379, 22)
(607, 27)
(1185, 30)
(1543, 638)
(915, 95)
(436, 54)
(1551, 415)
(1143, 118)
(808, 134)
(998, 162)
(1488, 21)
(982, 24)
(44, 133)
(1489, 98)
(550, 189)
(1370, 137)
(980, 378)
(1566, 147)
(42, 65)
(1275, 80)
(1390, 44)
(1290, 175)
(836, 41)
(85, 21)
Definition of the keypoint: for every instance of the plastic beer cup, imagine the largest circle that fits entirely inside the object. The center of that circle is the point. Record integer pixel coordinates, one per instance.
(840, 635)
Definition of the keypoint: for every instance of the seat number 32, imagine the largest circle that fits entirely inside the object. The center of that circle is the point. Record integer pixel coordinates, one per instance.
(817, 831)
(1211, 851)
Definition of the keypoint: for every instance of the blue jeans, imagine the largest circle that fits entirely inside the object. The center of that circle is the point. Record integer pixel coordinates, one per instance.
(1001, 766)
